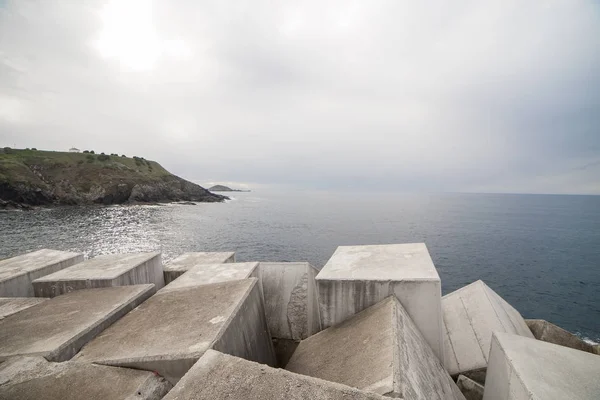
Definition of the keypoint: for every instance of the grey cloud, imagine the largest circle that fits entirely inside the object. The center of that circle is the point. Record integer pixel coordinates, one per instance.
(469, 96)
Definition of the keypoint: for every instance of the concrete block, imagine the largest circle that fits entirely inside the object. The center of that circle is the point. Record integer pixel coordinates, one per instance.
(206, 274)
(471, 314)
(522, 368)
(469, 388)
(17, 273)
(103, 271)
(378, 350)
(184, 262)
(56, 329)
(284, 348)
(357, 277)
(217, 376)
(544, 330)
(12, 305)
(25, 378)
(170, 331)
(291, 299)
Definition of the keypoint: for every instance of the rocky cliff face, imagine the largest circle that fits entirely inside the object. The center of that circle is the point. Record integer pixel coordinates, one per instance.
(36, 178)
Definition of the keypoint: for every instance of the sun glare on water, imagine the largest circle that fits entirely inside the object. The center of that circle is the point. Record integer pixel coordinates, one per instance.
(130, 37)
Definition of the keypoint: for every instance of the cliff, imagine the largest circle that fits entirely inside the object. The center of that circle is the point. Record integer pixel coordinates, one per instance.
(37, 178)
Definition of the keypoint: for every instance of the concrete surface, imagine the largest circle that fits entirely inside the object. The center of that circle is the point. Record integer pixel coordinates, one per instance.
(56, 329)
(471, 314)
(205, 274)
(544, 330)
(170, 331)
(379, 350)
(469, 388)
(284, 348)
(25, 378)
(524, 368)
(218, 376)
(357, 277)
(17, 273)
(291, 299)
(12, 305)
(184, 262)
(103, 271)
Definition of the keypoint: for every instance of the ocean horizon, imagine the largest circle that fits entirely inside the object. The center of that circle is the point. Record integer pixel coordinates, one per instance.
(540, 252)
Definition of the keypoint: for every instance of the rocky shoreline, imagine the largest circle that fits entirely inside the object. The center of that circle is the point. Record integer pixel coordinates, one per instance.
(41, 178)
(27, 198)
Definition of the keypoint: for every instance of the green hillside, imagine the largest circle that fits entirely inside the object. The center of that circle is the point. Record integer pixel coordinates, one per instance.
(36, 177)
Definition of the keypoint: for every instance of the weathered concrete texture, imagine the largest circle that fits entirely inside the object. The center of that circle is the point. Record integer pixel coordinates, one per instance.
(284, 348)
(103, 271)
(184, 262)
(471, 314)
(56, 329)
(357, 277)
(170, 331)
(207, 274)
(524, 368)
(379, 350)
(25, 378)
(469, 388)
(12, 305)
(218, 376)
(544, 330)
(17, 273)
(291, 299)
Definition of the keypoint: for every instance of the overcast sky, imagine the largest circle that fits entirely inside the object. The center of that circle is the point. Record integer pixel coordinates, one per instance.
(494, 96)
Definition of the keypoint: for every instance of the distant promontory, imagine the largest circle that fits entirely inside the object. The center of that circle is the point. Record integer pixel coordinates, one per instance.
(221, 188)
(44, 178)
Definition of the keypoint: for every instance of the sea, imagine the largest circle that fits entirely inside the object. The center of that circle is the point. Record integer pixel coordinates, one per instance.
(541, 253)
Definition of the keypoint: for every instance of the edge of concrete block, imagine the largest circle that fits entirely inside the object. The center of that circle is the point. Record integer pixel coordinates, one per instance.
(71, 347)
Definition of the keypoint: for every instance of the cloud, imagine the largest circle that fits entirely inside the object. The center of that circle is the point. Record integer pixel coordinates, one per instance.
(467, 96)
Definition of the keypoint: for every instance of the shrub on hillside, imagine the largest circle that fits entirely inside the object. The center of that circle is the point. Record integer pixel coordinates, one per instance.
(86, 151)
(8, 150)
(103, 157)
(33, 149)
(90, 158)
(92, 152)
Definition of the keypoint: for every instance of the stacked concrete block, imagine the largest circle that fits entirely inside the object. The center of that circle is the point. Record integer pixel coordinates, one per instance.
(357, 277)
(469, 388)
(544, 330)
(378, 350)
(291, 299)
(103, 271)
(217, 376)
(17, 273)
(471, 314)
(25, 378)
(171, 331)
(206, 274)
(528, 369)
(291, 304)
(184, 262)
(12, 305)
(56, 329)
